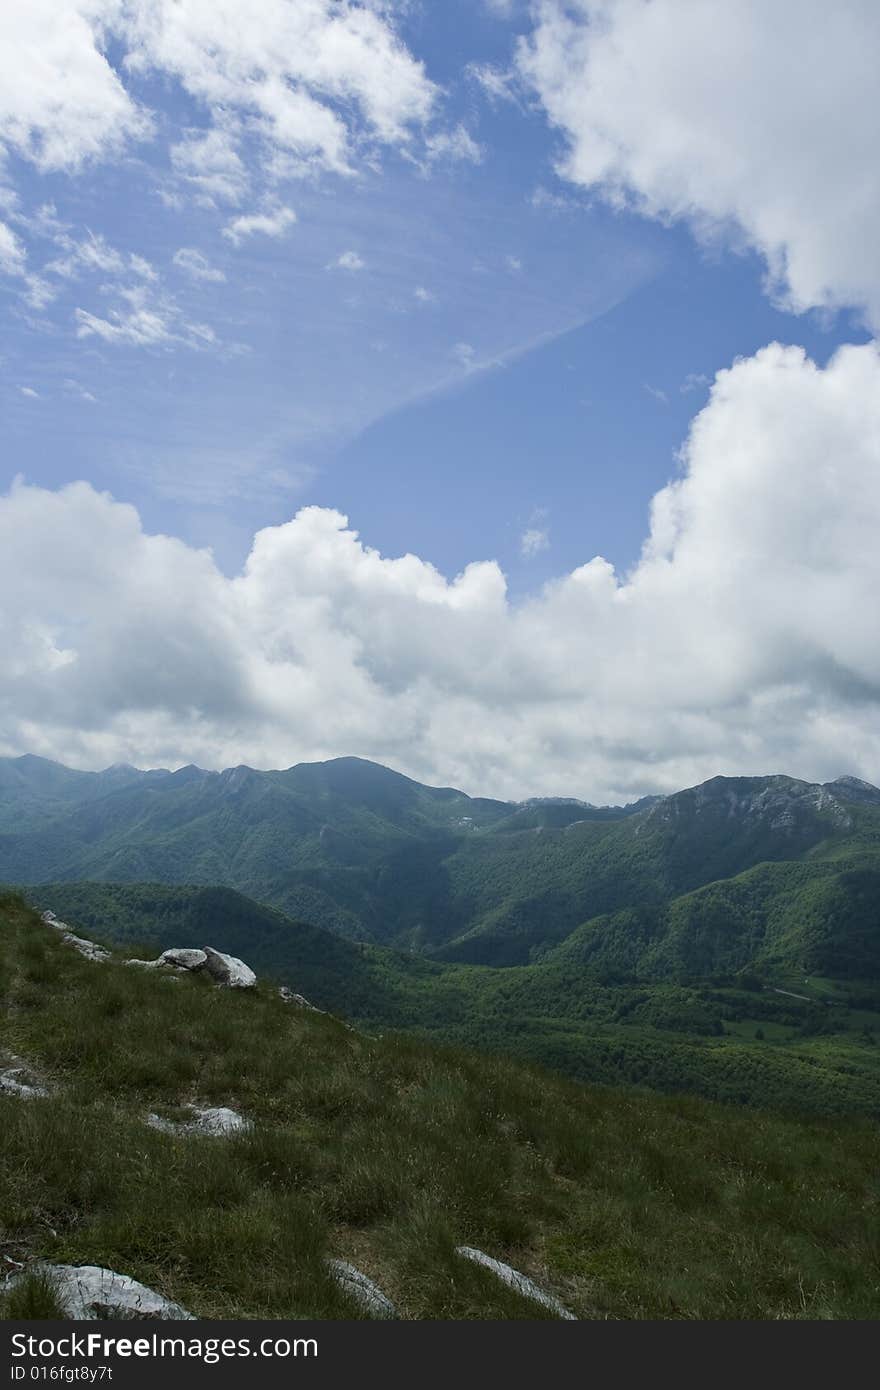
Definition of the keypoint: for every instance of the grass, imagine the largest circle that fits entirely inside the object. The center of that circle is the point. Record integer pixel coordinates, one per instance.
(389, 1152)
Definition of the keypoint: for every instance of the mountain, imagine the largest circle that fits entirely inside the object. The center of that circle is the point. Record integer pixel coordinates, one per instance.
(373, 856)
(390, 1154)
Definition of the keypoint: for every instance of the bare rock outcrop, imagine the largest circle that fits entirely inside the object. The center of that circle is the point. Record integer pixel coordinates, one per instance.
(514, 1280)
(89, 949)
(299, 1000)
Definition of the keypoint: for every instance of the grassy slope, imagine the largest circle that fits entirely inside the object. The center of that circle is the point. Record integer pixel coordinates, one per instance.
(697, 1037)
(389, 1151)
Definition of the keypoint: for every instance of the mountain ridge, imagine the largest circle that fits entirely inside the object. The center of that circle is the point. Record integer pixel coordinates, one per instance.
(372, 855)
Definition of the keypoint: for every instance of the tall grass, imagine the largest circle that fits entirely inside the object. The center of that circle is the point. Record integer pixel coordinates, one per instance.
(390, 1152)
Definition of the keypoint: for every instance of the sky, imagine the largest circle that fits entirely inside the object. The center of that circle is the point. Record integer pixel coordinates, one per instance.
(486, 388)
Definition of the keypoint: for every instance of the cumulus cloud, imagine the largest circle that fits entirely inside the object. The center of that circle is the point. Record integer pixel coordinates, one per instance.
(273, 224)
(312, 77)
(752, 119)
(752, 609)
(61, 103)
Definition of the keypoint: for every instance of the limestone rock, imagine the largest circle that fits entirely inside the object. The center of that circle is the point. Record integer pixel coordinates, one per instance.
(86, 948)
(520, 1282)
(19, 1080)
(299, 1000)
(183, 958)
(228, 970)
(217, 1121)
(89, 1292)
(362, 1290)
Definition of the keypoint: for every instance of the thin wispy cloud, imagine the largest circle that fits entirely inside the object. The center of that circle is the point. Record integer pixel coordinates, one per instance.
(193, 263)
(533, 540)
(348, 260)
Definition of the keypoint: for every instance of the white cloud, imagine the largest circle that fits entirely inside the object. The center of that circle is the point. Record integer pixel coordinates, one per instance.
(754, 119)
(497, 83)
(93, 253)
(210, 161)
(349, 260)
(195, 264)
(753, 611)
(13, 257)
(144, 319)
(694, 381)
(656, 392)
(30, 392)
(533, 540)
(284, 63)
(38, 292)
(456, 144)
(424, 296)
(73, 388)
(314, 78)
(61, 103)
(273, 224)
(142, 267)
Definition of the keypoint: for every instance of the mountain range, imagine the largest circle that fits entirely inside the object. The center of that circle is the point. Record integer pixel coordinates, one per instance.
(649, 943)
(374, 856)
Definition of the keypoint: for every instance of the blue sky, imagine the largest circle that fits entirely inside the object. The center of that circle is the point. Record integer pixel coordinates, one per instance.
(542, 382)
(464, 273)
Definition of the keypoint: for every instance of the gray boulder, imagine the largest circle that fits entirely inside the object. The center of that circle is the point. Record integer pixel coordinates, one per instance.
(228, 970)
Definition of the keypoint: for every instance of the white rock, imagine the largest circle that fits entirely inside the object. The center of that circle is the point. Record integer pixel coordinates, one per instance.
(217, 1121)
(183, 958)
(299, 1000)
(11, 1083)
(520, 1282)
(85, 948)
(362, 1290)
(89, 1292)
(220, 1120)
(228, 970)
(145, 964)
